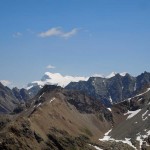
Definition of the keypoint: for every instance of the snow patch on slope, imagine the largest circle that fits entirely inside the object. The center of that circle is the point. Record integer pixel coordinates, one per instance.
(145, 115)
(109, 109)
(141, 138)
(138, 96)
(132, 113)
(143, 93)
(108, 138)
(96, 147)
(41, 95)
(52, 100)
(135, 87)
(110, 99)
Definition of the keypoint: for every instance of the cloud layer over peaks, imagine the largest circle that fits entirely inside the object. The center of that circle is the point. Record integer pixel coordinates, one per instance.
(6, 82)
(56, 79)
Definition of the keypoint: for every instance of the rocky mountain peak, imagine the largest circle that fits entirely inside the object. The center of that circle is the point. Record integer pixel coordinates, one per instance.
(1, 85)
(50, 88)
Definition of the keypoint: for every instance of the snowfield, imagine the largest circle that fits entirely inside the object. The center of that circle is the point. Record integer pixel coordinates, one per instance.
(108, 138)
(132, 113)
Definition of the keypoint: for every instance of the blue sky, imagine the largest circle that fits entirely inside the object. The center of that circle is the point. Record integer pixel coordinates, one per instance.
(78, 37)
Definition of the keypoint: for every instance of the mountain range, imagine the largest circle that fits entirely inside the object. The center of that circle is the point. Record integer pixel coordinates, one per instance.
(61, 80)
(111, 89)
(98, 113)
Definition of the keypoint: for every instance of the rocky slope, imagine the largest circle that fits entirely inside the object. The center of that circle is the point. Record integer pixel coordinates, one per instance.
(135, 128)
(57, 119)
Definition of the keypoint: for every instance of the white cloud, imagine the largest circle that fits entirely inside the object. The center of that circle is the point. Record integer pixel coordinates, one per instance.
(17, 34)
(6, 82)
(70, 34)
(50, 67)
(57, 79)
(51, 32)
(57, 31)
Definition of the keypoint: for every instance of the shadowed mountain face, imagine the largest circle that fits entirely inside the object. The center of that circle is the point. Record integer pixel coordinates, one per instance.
(143, 81)
(21, 94)
(7, 99)
(11, 99)
(112, 90)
